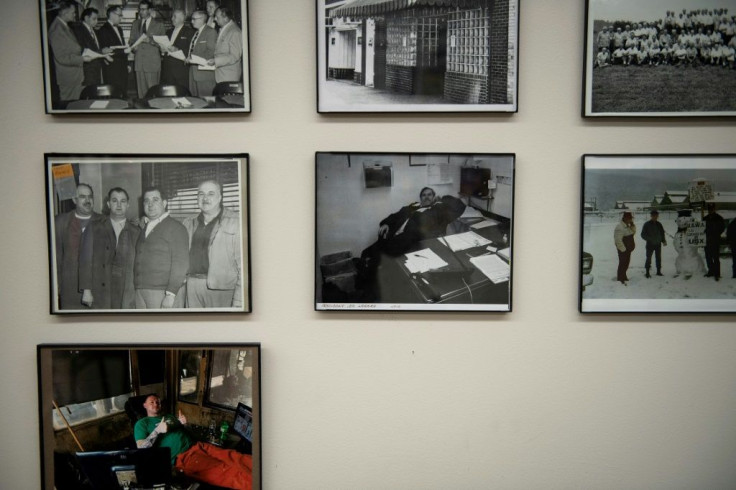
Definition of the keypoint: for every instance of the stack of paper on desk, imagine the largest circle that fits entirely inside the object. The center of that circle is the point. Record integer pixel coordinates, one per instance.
(505, 253)
(484, 224)
(493, 267)
(423, 261)
(463, 241)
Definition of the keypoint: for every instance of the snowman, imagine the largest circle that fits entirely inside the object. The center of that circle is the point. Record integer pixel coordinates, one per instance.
(688, 261)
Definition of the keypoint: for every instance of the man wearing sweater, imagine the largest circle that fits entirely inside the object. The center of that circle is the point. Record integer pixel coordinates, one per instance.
(162, 254)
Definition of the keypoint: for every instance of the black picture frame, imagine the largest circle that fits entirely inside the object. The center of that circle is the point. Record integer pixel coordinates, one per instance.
(88, 254)
(91, 395)
(77, 85)
(677, 190)
(661, 76)
(452, 252)
(417, 57)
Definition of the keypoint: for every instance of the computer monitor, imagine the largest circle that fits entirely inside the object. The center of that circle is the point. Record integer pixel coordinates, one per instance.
(139, 468)
(243, 423)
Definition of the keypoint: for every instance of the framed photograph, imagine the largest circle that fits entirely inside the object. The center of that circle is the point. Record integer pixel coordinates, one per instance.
(148, 233)
(397, 236)
(659, 58)
(148, 56)
(658, 234)
(150, 416)
(418, 56)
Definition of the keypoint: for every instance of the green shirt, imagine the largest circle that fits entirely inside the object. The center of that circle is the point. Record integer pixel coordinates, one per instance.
(175, 438)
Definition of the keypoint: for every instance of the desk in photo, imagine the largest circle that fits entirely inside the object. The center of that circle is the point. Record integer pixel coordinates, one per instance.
(460, 282)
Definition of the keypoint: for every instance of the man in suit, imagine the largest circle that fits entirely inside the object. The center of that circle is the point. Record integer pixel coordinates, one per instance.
(211, 6)
(229, 49)
(66, 52)
(69, 232)
(161, 255)
(213, 280)
(108, 255)
(147, 53)
(173, 70)
(109, 35)
(201, 82)
(401, 231)
(87, 38)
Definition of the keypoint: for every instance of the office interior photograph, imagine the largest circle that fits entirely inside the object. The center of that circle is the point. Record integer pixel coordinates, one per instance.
(414, 231)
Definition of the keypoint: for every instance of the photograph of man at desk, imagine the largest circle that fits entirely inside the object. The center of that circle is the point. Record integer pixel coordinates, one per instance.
(414, 231)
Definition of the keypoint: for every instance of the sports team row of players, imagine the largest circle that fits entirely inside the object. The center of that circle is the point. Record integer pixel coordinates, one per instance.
(695, 37)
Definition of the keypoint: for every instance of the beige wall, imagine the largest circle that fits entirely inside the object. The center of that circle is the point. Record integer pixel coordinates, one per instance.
(536, 399)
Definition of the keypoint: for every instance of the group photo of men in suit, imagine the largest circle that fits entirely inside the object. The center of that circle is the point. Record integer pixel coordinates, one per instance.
(135, 50)
(141, 245)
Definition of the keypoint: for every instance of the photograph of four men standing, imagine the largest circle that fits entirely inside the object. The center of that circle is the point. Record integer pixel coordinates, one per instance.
(148, 234)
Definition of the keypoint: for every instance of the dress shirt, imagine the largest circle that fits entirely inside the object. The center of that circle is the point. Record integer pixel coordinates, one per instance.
(151, 223)
(117, 227)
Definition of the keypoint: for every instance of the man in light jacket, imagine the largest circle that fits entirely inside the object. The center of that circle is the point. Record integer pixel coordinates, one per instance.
(229, 48)
(214, 277)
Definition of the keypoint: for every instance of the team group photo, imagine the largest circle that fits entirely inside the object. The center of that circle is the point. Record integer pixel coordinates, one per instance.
(660, 58)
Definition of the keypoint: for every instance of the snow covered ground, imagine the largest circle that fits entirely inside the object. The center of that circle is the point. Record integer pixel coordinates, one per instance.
(673, 291)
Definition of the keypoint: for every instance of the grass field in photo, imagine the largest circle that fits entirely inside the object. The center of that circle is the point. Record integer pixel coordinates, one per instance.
(664, 88)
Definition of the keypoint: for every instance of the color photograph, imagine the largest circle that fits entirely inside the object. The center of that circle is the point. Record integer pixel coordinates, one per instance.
(148, 233)
(660, 58)
(178, 417)
(658, 233)
(418, 56)
(181, 56)
(414, 231)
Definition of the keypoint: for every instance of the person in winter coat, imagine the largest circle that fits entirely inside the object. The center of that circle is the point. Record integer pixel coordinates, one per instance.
(623, 238)
(653, 234)
(714, 228)
(731, 237)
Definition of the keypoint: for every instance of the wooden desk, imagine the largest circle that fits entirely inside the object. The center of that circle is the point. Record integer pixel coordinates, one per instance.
(460, 282)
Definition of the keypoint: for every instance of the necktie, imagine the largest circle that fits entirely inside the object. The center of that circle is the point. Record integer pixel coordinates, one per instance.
(191, 45)
(94, 36)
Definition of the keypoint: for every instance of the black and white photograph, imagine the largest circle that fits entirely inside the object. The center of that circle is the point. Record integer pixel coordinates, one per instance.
(658, 234)
(660, 58)
(182, 56)
(148, 233)
(417, 56)
(179, 417)
(414, 231)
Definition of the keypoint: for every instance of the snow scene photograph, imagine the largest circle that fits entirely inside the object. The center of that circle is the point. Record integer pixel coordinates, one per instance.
(658, 233)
